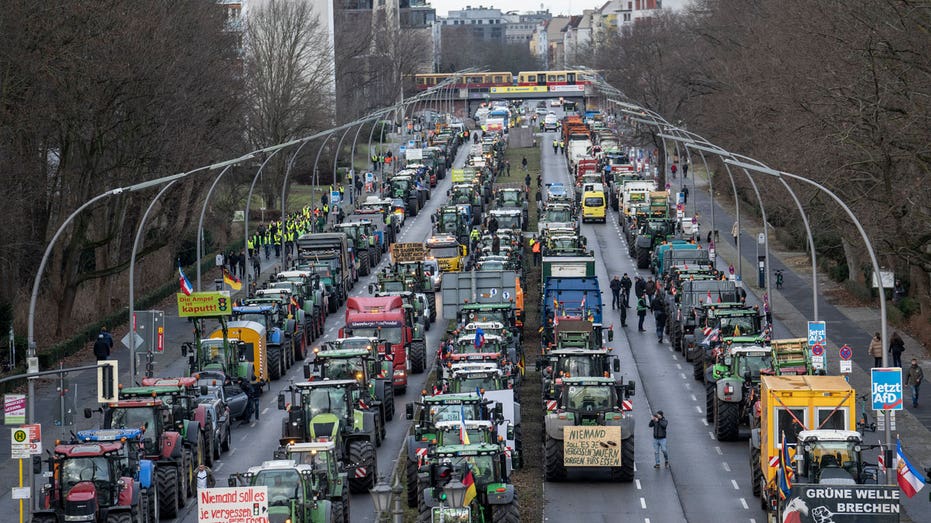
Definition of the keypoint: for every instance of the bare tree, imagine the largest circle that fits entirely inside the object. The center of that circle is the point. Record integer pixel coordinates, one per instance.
(289, 75)
(92, 99)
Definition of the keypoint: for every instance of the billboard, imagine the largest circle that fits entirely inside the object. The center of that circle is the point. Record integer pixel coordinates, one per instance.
(842, 504)
(518, 89)
(567, 88)
(198, 304)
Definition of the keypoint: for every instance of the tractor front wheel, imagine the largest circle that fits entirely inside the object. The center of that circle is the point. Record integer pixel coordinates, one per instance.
(625, 473)
(726, 420)
(509, 513)
(412, 492)
(168, 484)
(362, 475)
(274, 362)
(418, 357)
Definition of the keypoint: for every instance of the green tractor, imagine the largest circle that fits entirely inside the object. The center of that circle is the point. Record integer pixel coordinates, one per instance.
(364, 244)
(334, 410)
(333, 482)
(482, 466)
(311, 296)
(732, 386)
(357, 358)
(227, 356)
(586, 403)
(652, 232)
(436, 409)
(293, 492)
(559, 364)
(290, 318)
(723, 323)
(448, 220)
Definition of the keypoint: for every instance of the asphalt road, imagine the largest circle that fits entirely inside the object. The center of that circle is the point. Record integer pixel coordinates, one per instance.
(707, 480)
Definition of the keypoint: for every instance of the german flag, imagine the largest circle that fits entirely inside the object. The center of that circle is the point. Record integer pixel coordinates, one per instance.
(469, 482)
(231, 280)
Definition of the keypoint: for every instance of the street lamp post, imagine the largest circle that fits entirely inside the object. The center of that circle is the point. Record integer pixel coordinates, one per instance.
(245, 236)
(869, 247)
(200, 221)
(316, 177)
(713, 149)
(381, 498)
(132, 281)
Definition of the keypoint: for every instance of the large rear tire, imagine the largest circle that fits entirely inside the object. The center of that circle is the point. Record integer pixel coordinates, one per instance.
(509, 513)
(345, 502)
(389, 402)
(726, 420)
(417, 357)
(274, 362)
(755, 472)
(168, 485)
(698, 368)
(555, 468)
(710, 395)
(362, 454)
(412, 493)
(123, 516)
(643, 258)
(431, 300)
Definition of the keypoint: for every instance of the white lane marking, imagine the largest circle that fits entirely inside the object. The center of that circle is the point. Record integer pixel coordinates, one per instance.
(705, 421)
(637, 482)
(679, 366)
(674, 357)
(698, 409)
(252, 424)
(719, 451)
(726, 466)
(682, 374)
(646, 520)
(695, 399)
(752, 520)
(232, 451)
(265, 411)
(736, 486)
(217, 467)
(743, 502)
(643, 503)
(243, 438)
(711, 434)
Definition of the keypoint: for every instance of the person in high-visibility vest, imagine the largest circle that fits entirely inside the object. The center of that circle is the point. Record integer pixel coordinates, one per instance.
(536, 247)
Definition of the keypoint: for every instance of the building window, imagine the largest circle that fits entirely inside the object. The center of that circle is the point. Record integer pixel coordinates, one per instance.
(627, 17)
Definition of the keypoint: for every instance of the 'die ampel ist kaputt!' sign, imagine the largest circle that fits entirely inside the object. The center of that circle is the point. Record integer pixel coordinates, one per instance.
(215, 303)
(592, 446)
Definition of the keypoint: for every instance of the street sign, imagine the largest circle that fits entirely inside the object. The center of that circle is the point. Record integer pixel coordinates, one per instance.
(21, 493)
(817, 333)
(35, 438)
(214, 303)
(886, 388)
(128, 339)
(846, 366)
(402, 148)
(14, 409)
(233, 505)
(335, 197)
(19, 443)
(845, 352)
(817, 349)
(817, 362)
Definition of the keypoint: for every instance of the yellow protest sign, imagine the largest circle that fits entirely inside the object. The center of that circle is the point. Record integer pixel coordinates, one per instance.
(592, 446)
(408, 252)
(198, 304)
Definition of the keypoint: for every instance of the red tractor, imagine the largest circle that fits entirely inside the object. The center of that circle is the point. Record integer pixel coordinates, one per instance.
(99, 478)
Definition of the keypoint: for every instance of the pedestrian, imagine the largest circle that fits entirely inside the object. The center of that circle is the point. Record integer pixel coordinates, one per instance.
(673, 170)
(615, 292)
(876, 350)
(623, 316)
(219, 260)
(205, 477)
(256, 267)
(735, 230)
(650, 289)
(685, 169)
(640, 287)
(896, 348)
(493, 225)
(523, 164)
(527, 182)
(659, 423)
(555, 145)
(103, 344)
(685, 195)
(241, 263)
(324, 200)
(625, 290)
(659, 316)
(539, 198)
(246, 387)
(898, 292)
(507, 166)
(914, 378)
(495, 244)
(641, 312)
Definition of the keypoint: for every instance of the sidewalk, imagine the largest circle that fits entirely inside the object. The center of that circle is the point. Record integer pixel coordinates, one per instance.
(793, 307)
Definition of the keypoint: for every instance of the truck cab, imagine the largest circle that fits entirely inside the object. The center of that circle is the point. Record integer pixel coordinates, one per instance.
(383, 318)
(448, 253)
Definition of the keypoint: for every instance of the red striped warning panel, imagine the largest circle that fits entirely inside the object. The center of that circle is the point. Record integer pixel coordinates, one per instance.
(361, 472)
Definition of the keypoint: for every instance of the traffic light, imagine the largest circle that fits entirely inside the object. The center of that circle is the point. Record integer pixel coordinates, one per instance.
(107, 381)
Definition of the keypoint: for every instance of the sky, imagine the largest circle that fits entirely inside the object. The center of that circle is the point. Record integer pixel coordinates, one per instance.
(556, 7)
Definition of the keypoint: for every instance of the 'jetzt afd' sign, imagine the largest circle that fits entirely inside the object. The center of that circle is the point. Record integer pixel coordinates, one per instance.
(592, 446)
